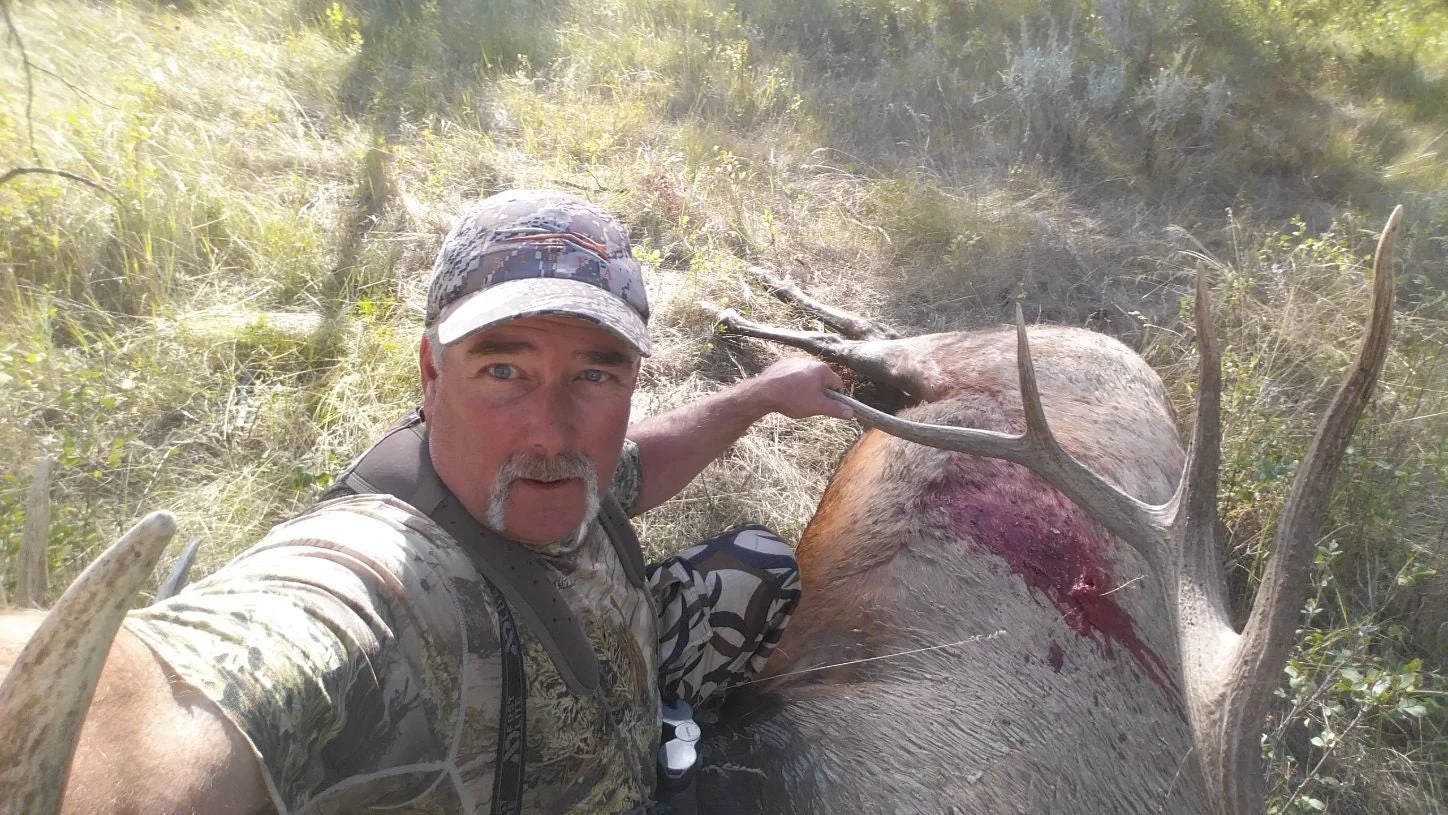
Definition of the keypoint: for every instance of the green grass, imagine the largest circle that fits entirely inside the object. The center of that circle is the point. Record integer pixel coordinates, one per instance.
(238, 322)
(1364, 710)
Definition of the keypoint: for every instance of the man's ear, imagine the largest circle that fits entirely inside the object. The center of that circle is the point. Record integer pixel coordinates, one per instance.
(426, 366)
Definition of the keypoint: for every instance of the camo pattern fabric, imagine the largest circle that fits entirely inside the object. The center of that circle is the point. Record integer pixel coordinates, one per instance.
(723, 606)
(538, 252)
(357, 649)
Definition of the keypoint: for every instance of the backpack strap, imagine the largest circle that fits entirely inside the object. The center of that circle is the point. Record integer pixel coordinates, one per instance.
(399, 465)
(511, 764)
(625, 541)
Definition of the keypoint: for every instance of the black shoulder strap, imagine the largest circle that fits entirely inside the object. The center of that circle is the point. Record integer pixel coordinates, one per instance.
(399, 465)
(511, 765)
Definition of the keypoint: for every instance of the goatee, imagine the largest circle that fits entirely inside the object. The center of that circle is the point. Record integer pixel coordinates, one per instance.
(544, 468)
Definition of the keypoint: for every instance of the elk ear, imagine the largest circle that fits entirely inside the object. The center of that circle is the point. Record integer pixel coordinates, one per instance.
(44, 698)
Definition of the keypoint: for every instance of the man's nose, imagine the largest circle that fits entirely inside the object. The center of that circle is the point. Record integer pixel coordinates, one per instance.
(550, 429)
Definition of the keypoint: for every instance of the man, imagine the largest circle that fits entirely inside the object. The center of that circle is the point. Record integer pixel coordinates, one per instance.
(472, 635)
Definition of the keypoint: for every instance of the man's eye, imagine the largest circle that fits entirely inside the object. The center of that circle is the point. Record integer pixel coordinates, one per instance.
(595, 375)
(500, 370)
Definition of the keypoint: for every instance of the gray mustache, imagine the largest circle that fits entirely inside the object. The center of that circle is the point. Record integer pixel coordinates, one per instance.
(543, 468)
(546, 468)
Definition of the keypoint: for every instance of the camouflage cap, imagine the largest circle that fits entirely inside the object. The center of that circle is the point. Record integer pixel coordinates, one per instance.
(531, 253)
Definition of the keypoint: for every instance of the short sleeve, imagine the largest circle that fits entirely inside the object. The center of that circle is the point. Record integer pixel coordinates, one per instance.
(323, 647)
(628, 477)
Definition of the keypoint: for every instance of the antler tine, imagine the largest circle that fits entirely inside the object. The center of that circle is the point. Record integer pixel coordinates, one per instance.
(1208, 638)
(176, 580)
(1194, 506)
(945, 437)
(1242, 686)
(1201, 473)
(1269, 629)
(1143, 526)
(1038, 430)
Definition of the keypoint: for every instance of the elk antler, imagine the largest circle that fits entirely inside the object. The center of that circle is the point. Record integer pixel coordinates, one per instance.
(31, 581)
(850, 325)
(1229, 677)
(1036, 449)
(176, 580)
(44, 698)
(1267, 638)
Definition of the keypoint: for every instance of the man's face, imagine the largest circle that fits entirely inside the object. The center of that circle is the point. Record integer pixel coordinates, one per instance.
(517, 415)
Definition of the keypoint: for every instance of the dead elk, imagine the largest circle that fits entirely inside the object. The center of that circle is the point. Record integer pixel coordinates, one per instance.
(1051, 668)
(974, 637)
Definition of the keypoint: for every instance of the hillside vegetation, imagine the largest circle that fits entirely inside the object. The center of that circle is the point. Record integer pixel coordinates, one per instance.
(231, 311)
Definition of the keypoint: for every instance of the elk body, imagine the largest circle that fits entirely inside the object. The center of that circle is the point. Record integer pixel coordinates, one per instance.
(991, 622)
(1027, 615)
(1067, 678)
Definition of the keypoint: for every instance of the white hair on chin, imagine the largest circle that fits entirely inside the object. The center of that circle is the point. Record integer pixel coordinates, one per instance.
(544, 468)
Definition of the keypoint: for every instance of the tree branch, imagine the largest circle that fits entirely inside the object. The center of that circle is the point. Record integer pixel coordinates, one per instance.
(16, 172)
(29, 79)
(76, 89)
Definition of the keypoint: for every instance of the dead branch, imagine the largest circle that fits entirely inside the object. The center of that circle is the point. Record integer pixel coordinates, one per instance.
(16, 172)
(74, 88)
(30, 120)
(29, 79)
(31, 580)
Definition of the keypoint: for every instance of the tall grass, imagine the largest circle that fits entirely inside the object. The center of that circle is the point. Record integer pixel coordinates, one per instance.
(1363, 710)
(238, 321)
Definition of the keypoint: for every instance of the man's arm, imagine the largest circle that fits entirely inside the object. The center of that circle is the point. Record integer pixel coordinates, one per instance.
(676, 446)
(150, 743)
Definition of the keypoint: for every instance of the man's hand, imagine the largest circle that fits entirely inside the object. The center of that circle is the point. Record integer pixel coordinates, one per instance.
(796, 388)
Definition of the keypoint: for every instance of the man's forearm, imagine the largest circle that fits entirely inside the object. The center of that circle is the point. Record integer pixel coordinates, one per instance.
(676, 446)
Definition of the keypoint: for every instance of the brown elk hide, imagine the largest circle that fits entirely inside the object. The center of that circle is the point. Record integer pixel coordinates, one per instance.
(1068, 671)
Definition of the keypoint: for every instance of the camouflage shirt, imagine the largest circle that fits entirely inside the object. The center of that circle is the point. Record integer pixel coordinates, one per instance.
(356, 648)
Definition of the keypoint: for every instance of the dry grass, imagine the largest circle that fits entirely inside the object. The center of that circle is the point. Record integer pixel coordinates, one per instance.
(245, 319)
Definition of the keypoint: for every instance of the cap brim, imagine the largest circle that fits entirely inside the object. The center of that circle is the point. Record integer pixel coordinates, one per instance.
(540, 297)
